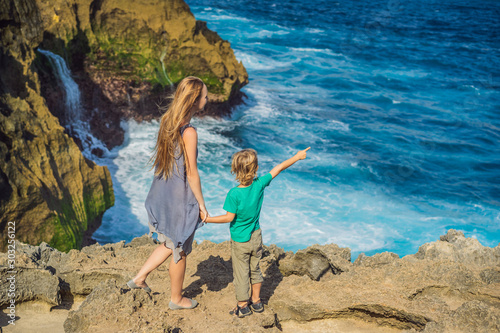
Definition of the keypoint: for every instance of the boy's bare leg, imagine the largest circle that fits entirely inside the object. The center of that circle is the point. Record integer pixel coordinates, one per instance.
(177, 272)
(256, 292)
(159, 255)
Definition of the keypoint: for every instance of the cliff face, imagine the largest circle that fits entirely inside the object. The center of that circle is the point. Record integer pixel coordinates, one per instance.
(451, 285)
(125, 56)
(47, 187)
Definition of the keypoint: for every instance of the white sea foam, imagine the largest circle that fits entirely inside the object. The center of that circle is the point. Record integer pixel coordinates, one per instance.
(259, 62)
(399, 73)
(298, 211)
(339, 125)
(211, 15)
(266, 33)
(314, 30)
(313, 50)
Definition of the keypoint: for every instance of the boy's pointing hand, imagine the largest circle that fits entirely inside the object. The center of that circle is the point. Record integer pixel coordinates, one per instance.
(302, 154)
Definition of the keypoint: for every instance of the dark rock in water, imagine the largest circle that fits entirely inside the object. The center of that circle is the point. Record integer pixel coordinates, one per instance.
(97, 152)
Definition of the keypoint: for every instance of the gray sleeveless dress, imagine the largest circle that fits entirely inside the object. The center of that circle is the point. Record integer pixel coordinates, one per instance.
(173, 211)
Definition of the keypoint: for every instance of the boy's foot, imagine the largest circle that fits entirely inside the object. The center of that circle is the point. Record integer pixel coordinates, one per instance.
(241, 312)
(257, 306)
(244, 311)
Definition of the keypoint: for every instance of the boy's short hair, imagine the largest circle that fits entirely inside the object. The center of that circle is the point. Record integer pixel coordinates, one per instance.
(244, 166)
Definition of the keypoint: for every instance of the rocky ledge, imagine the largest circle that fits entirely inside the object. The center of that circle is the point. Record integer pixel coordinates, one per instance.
(451, 285)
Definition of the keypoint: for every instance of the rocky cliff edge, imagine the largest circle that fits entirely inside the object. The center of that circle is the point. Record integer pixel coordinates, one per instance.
(451, 285)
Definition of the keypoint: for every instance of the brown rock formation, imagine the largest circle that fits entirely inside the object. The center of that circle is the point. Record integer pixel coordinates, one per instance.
(124, 55)
(47, 187)
(128, 55)
(418, 293)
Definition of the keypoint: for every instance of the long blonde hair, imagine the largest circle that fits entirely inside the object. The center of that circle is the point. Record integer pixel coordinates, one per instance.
(187, 94)
(244, 166)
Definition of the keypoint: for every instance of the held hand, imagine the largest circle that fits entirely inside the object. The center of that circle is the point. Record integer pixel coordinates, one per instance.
(203, 214)
(302, 154)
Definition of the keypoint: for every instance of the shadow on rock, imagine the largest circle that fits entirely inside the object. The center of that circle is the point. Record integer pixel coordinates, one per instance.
(270, 270)
(6, 317)
(215, 272)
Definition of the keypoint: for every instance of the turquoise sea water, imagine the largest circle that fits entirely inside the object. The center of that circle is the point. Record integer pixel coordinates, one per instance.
(400, 102)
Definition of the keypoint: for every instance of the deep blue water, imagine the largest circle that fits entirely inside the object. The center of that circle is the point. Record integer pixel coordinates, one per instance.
(400, 102)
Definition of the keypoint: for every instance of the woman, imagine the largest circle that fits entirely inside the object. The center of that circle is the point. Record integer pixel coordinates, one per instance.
(175, 200)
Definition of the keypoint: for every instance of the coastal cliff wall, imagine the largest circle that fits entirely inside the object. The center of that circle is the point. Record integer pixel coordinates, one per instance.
(450, 285)
(47, 187)
(125, 56)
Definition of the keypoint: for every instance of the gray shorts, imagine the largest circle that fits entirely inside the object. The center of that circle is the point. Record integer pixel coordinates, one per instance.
(187, 248)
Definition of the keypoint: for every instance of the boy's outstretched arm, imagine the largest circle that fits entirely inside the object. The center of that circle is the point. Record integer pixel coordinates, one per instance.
(229, 217)
(302, 154)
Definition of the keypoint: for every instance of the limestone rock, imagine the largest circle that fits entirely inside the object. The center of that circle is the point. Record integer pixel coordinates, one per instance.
(311, 263)
(338, 257)
(109, 302)
(29, 284)
(316, 260)
(475, 316)
(143, 240)
(39, 254)
(381, 292)
(384, 258)
(491, 275)
(48, 190)
(455, 247)
(428, 291)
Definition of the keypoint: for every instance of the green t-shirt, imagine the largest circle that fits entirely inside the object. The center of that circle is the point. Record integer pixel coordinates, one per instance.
(246, 203)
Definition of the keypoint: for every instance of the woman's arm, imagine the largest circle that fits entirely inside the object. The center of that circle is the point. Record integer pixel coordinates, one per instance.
(229, 217)
(283, 165)
(190, 138)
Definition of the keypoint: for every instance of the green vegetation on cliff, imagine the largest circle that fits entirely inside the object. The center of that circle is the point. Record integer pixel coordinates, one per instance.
(66, 233)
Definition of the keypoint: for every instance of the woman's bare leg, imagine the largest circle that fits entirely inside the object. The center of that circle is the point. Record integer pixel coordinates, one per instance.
(159, 255)
(177, 272)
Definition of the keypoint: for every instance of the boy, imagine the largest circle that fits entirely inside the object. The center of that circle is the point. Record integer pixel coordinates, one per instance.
(242, 206)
